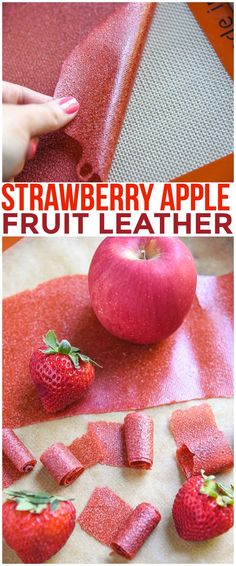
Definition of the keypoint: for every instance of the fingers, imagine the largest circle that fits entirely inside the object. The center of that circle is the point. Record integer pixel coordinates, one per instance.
(44, 118)
(17, 94)
(24, 123)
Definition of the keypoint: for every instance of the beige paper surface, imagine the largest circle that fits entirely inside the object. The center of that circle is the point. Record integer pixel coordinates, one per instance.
(37, 259)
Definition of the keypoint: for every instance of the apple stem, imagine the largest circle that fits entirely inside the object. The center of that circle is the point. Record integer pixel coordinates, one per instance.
(143, 254)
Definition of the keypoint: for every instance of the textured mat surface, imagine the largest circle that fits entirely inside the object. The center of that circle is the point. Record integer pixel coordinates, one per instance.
(180, 115)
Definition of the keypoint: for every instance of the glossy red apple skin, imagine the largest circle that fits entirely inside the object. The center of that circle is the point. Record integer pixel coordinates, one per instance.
(142, 300)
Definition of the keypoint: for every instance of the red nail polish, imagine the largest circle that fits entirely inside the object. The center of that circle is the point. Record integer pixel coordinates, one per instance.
(69, 104)
(32, 149)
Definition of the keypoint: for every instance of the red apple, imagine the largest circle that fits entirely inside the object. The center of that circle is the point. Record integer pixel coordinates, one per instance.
(142, 288)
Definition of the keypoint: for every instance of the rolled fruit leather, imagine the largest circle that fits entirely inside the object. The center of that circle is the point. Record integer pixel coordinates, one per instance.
(16, 451)
(139, 431)
(139, 525)
(63, 466)
(111, 521)
(200, 444)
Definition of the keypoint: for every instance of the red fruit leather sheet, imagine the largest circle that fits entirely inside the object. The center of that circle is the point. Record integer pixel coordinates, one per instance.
(17, 459)
(194, 363)
(200, 444)
(129, 444)
(111, 521)
(93, 50)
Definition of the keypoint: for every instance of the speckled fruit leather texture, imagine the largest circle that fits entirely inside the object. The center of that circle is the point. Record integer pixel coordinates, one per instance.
(110, 520)
(200, 444)
(194, 363)
(17, 459)
(87, 50)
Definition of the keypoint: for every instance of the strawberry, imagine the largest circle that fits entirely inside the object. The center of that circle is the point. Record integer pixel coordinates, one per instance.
(61, 373)
(203, 508)
(36, 525)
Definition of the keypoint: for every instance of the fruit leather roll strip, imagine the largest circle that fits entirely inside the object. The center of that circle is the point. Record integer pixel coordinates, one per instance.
(112, 438)
(88, 449)
(136, 530)
(139, 430)
(61, 464)
(104, 514)
(200, 444)
(17, 452)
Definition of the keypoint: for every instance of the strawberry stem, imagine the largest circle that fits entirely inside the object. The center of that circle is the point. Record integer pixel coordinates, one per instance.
(33, 502)
(64, 347)
(223, 494)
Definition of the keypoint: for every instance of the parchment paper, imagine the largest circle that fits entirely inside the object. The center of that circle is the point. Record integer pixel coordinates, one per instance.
(33, 260)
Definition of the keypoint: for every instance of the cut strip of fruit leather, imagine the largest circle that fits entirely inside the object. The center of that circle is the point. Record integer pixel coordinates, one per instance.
(17, 459)
(63, 466)
(137, 528)
(100, 73)
(111, 521)
(196, 362)
(103, 514)
(129, 444)
(139, 431)
(113, 442)
(88, 449)
(200, 444)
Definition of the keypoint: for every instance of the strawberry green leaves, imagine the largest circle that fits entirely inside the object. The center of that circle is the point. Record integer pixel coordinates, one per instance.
(51, 340)
(64, 347)
(223, 494)
(33, 502)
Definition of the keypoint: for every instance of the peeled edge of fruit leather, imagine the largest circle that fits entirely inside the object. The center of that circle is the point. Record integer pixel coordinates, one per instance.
(142, 288)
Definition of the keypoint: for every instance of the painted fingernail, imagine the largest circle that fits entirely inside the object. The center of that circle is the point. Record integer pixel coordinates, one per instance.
(69, 104)
(32, 149)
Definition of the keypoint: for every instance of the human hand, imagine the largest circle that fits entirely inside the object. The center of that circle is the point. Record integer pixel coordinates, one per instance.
(26, 115)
